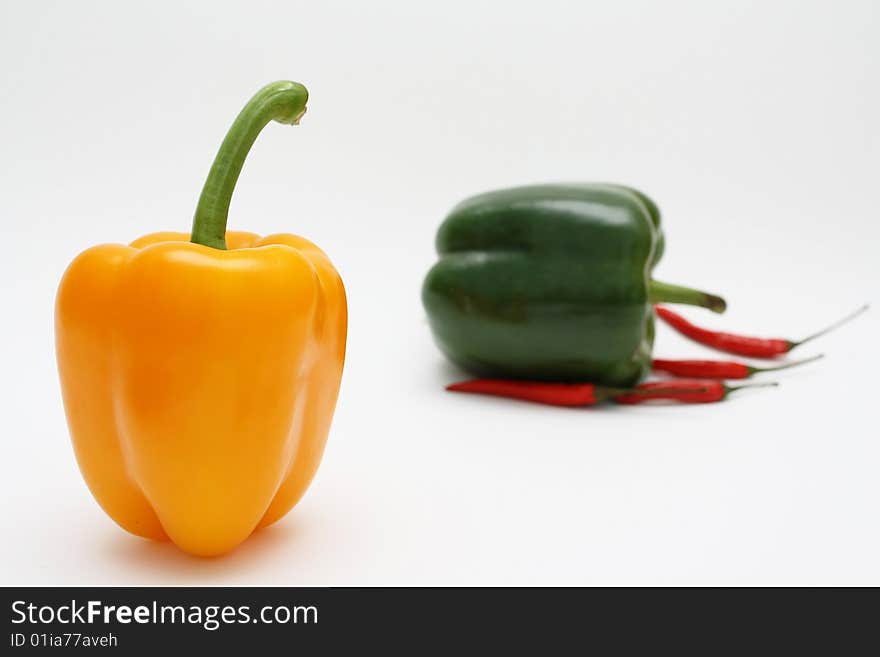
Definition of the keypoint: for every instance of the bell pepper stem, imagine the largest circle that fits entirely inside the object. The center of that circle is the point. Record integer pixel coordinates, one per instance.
(668, 293)
(281, 101)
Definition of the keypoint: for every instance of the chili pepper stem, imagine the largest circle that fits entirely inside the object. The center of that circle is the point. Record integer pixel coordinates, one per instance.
(832, 327)
(730, 389)
(667, 293)
(785, 366)
(280, 101)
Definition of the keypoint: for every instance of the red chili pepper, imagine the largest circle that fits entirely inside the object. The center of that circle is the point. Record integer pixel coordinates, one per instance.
(718, 369)
(554, 394)
(743, 345)
(691, 391)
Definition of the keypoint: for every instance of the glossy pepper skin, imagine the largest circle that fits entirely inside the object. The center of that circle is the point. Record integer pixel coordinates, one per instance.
(199, 382)
(551, 282)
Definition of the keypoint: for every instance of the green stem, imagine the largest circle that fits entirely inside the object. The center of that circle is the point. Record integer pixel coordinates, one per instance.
(281, 101)
(828, 329)
(668, 293)
(729, 389)
(784, 366)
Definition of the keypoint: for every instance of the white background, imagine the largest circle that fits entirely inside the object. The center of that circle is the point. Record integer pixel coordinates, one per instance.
(753, 124)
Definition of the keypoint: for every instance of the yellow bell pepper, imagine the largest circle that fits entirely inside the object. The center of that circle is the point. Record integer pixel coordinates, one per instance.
(200, 377)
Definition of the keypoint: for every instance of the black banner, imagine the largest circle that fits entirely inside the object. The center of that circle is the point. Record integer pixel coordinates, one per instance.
(130, 620)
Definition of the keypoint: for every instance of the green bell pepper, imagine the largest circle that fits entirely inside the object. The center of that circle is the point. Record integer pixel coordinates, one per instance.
(552, 282)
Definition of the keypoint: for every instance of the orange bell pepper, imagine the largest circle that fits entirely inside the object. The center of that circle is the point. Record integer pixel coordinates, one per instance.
(199, 381)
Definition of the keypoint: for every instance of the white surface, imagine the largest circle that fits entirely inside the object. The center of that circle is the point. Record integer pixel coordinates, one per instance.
(753, 124)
